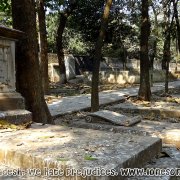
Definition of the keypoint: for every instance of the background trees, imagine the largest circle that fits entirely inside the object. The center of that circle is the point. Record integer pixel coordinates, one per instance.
(5, 12)
(74, 26)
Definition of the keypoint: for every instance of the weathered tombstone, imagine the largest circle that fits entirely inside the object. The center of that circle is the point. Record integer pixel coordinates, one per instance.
(70, 67)
(10, 100)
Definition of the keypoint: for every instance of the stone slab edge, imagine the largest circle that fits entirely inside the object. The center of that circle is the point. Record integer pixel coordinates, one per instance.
(120, 100)
(26, 160)
(164, 112)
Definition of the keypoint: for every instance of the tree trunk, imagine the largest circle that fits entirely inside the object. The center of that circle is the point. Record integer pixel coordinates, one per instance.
(43, 45)
(177, 22)
(97, 58)
(28, 80)
(59, 44)
(59, 39)
(144, 89)
(156, 32)
(167, 51)
(166, 11)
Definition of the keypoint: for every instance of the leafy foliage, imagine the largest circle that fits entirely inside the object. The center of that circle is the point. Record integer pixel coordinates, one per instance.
(5, 13)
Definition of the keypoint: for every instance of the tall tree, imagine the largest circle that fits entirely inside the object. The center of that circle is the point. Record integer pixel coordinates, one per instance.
(27, 65)
(63, 17)
(43, 44)
(144, 89)
(167, 44)
(175, 3)
(97, 57)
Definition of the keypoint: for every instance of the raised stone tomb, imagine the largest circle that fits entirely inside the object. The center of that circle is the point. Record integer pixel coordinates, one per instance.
(9, 98)
(63, 147)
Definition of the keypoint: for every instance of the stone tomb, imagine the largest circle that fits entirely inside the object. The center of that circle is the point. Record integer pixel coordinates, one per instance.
(11, 102)
(51, 147)
(113, 117)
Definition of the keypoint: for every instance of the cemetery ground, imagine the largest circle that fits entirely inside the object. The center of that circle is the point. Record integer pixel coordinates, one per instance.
(154, 142)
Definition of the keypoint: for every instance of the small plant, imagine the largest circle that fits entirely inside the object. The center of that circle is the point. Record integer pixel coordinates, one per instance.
(62, 159)
(89, 158)
(46, 137)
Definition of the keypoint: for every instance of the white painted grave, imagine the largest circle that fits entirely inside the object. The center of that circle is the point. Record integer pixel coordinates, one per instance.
(7, 65)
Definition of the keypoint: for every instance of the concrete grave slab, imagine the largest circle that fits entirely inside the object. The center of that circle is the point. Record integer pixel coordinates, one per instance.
(166, 110)
(168, 132)
(64, 147)
(71, 104)
(113, 117)
(18, 116)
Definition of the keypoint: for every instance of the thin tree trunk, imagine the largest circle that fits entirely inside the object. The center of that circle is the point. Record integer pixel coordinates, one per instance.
(144, 89)
(167, 52)
(166, 59)
(97, 57)
(28, 78)
(166, 11)
(43, 45)
(59, 39)
(177, 22)
(59, 44)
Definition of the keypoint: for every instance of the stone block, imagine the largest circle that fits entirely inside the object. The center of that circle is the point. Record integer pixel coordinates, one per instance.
(11, 101)
(70, 67)
(75, 148)
(113, 117)
(16, 116)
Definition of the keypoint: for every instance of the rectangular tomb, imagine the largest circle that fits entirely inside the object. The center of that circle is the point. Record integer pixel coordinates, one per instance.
(64, 148)
(9, 98)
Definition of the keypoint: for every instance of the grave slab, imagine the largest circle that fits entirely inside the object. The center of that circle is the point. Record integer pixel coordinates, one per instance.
(71, 104)
(168, 132)
(113, 117)
(63, 147)
(166, 111)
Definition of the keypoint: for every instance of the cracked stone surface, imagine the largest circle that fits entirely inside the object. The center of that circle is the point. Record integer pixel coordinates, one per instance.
(61, 147)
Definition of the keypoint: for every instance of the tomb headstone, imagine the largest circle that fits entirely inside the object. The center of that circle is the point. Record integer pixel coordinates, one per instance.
(10, 100)
(70, 67)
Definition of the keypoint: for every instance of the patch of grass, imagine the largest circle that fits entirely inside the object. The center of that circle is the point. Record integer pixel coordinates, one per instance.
(62, 136)
(46, 137)
(6, 125)
(62, 159)
(89, 158)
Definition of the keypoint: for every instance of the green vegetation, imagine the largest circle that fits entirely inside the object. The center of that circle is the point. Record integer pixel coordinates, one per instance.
(89, 158)
(4, 124)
